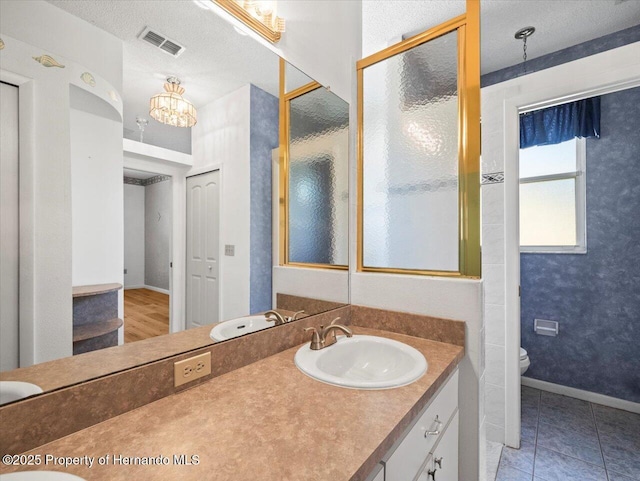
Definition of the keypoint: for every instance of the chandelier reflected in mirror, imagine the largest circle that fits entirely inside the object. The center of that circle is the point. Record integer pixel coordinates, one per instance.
(171, 108)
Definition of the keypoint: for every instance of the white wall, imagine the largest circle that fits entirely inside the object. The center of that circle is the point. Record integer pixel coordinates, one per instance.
(157, 229)
(31, 29)
(96, 199)
(618, 67)
(221, 141)
(322, 40)
(134, 235)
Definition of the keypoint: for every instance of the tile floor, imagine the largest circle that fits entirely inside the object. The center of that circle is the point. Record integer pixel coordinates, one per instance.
(566, 439)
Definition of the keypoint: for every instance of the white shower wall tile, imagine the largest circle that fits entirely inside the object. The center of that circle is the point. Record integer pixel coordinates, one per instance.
(494, 324)
(495, 365)
(492, 151)
(493, 275)
(492, 244)
(494, 404)
(492, 204)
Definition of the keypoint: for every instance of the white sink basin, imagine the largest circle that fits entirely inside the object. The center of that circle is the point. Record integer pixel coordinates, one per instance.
(39, 476)
(237, 327)
(14, 390)
(363, 362)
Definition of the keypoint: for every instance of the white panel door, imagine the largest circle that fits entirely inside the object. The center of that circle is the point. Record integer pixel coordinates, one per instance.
(9, 233)
(203, 233)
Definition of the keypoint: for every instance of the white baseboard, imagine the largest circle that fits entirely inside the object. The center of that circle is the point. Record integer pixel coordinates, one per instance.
(157, 289)
(141, 286)
(580, 394)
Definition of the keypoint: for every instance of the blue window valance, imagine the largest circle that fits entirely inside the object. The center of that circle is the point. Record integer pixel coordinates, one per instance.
(560, 123)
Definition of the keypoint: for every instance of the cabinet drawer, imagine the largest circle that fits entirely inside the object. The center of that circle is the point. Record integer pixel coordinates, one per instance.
(442, 464)
(406, 460)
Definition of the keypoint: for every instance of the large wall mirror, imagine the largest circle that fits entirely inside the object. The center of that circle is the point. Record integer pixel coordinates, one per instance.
(314, 190)
(194, 262)
(418, 160)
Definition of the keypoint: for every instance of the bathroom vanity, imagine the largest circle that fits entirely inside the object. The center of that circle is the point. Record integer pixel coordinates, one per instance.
(269, 417)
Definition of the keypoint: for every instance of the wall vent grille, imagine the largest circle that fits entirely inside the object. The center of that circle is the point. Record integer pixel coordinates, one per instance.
(162, 42)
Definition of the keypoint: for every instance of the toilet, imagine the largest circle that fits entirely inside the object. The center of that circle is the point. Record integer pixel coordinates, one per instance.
(524, 361)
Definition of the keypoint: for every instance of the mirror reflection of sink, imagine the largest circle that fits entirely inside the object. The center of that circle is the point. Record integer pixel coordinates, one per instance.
(238, 327)
(40, 476)
(363, 362)
(14, 390)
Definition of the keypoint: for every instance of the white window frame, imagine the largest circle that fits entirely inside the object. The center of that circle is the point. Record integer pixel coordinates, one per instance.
(580, 175)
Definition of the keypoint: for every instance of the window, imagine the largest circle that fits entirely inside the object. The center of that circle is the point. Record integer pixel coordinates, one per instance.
(552, 198)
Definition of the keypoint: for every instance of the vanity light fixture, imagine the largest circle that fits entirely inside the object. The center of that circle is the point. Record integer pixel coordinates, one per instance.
(171, 108)
(259, 15)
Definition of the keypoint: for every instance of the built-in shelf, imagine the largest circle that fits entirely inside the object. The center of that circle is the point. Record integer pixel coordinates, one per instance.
(91, 330)
(93, 290)
(95, 317)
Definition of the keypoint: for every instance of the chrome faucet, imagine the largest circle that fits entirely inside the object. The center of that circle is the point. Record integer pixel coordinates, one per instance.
(277, 317)
(319, 339)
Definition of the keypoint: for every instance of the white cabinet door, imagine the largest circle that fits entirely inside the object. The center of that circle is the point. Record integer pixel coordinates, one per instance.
(445, 456)
(412, 451)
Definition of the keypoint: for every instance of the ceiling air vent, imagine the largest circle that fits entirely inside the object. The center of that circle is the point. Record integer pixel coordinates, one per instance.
(162, 42)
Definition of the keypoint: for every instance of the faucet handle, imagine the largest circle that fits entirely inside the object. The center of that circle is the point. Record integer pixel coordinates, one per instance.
(316, 343)
(295, 315)
(335, 320)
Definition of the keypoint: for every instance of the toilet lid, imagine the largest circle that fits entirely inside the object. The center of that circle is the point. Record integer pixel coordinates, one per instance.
(523, 353)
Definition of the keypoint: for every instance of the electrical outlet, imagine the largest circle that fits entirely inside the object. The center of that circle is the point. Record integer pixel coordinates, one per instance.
(229, 250)
(191, 369)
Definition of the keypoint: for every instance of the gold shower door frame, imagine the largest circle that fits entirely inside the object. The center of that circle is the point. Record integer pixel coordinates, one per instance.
(468, 28)
(285, 101)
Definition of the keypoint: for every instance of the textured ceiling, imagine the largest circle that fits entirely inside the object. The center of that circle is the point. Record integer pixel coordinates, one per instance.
(217, 59)
(559, 24)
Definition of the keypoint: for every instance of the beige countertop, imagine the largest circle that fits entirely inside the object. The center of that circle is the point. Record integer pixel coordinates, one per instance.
(265, 421)
(80, 368)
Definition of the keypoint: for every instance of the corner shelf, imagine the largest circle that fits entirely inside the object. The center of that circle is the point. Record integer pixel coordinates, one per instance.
(95, 289)
(95, 317)
(95, 329)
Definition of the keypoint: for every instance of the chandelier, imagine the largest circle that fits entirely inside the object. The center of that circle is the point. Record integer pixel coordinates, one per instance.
(171, 108)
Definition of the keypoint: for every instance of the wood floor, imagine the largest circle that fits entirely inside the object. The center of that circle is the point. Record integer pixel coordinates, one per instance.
(146, 314)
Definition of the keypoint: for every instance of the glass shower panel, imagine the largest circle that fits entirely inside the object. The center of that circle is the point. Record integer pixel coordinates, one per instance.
(318, 178)
(410, 159)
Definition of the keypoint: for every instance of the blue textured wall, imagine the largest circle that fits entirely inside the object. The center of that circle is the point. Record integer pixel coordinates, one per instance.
(595, 297)
(264, 138)
(608, 42)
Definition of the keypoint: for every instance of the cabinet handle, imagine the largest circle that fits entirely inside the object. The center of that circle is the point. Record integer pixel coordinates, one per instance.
(436, 432)
(438, 462)
(432, 474)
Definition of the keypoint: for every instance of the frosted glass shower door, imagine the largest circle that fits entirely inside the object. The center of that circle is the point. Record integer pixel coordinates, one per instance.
(410, 172)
